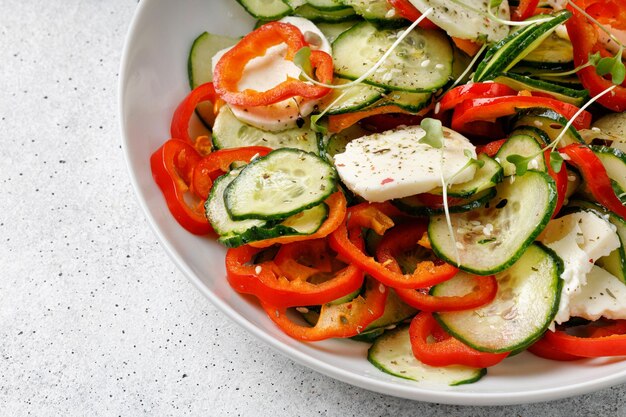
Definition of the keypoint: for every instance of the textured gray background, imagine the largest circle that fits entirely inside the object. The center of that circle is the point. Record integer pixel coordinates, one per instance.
(95, 320)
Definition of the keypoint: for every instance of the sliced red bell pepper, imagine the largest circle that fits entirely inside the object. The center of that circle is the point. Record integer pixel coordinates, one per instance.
(336, 213)
(545, 350)
(341, 320)
(230, 68)
(595, 176)
(410, 12)
(374, 216)
(179, 128)
(445, 351)
(586, 41)
(339, 122)
(524, 10)
(172, 168)
(461, 93)
(217, 163)
(489, 109)
(587, 347)
(290, 286)
(404, 237)
(491, 148)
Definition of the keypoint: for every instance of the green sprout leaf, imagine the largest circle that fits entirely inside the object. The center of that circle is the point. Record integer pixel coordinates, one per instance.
(520, 162)
(302, 59)
(556, 161)
(594, 58)
(613, 66)
(434, 133)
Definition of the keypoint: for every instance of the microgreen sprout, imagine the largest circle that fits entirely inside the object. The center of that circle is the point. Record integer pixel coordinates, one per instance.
(434, 133)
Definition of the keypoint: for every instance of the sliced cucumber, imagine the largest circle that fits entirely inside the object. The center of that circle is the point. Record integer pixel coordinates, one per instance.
(333, 30)
(233, 233)
(523, 145)
(614, 124)
(379, 12)
(551, 122)
(327, 5)
(486, 177)
(490, 239)
(327, 16)
(338, 141)
(466, 19)
(521, 82)
(266, 9)
(280, 184)
(412, 102)
(554, 50)
(392, 354)
(614, 162)
(353, 98)
(525, 305)
(230, 132)
(539, 135)
(509, 51)
(421, 63)
(202, 50)
(413, 206)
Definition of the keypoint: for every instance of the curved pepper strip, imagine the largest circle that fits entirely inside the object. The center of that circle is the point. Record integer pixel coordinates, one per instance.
(217, 163)
(179, 127)
(446, 351)
(342, 320)
(230, 68)
(586, 41)
(269, 283)
(587, 347)
(489, 109)
(595, 176)
(301, 260)
(172, 168)
(375, 217)
(560, 180)
(405, 9)
(464, 92)
(524, 10)
(337, 205)
(545, 350)
(405, 236)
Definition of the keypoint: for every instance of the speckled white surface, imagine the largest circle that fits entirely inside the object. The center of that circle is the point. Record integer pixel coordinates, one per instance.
(95, 320)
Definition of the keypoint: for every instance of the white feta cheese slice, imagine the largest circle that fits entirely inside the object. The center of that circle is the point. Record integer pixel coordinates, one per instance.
(265, 72)
(394, 164)
(604, 295)
(579, 239)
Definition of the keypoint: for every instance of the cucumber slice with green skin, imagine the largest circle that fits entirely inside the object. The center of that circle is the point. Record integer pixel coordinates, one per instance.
(539, 135)
(615, 263)
(565, 94)
(230, 132)
(412, 102)
(614, 125)
(333, 30)
(553, 50)
(392, 354)
(466, 20)
(327, 5)
(421, 63)
(526, 303)
(551, 122)
(204, 47)
(614, 162)
(379, 12)
(332, 16)
(570, 81)
(354, 98)
(266, 9)
(523, 145)
(338, 141)
(235, 233)
(509, 51)
(413, 206)
(517, 215)
(280, 184)
(486, 177)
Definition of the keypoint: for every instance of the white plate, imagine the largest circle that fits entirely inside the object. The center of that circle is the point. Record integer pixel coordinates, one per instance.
(153, 81)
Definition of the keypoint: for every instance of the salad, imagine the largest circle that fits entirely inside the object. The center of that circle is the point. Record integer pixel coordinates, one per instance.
(442, 179)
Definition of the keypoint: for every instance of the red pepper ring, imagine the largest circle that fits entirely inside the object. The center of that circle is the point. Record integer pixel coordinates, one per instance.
(406, 236)
(594, 173)
(179, 128)
(340, 320)
(445, 351)
(172, 166)
(371, 216)
(588, 347)
(230, 68)
(268, 282)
